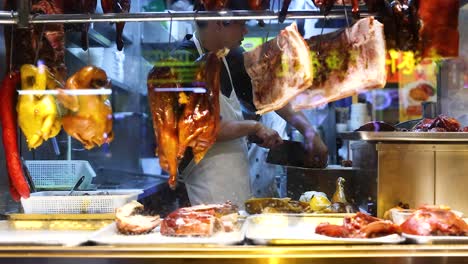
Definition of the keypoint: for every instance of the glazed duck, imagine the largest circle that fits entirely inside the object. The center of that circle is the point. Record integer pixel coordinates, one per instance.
(199, 122)
(117, 6)
(182, 119)
(77, 7)
(38, 116)
(90, 117)
(164, 110)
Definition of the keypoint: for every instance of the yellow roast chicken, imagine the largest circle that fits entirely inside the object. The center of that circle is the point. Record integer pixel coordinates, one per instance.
(38, 116)
(90, 117)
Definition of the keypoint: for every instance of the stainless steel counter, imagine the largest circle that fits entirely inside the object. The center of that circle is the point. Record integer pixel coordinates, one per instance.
(237, 254)
(407, 136)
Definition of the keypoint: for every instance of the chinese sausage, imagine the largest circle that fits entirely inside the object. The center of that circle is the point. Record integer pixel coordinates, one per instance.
(184, 117)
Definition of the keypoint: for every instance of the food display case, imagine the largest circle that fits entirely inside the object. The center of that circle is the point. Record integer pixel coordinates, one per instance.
(99, 114)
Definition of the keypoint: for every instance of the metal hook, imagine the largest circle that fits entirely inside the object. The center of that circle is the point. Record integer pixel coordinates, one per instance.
(346, 12)
(11, 47)
(39, 45)
(170, 25)
(88, 52)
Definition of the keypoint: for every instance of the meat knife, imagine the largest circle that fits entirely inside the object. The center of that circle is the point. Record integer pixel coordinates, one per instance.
(290, 153)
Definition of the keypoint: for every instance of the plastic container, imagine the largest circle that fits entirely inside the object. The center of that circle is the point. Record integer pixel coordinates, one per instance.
(80, 202)
(60, 174)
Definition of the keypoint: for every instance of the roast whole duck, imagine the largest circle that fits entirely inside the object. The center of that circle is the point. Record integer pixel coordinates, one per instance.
(38, 115)
(41, 42)
(185, 119)
(90, 117)
(77, 7)
(117, 6)
(435, 221)
(359, 226)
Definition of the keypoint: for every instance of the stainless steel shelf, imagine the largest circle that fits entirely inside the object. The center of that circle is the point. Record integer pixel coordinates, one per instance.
(12, 17)
(407, 136)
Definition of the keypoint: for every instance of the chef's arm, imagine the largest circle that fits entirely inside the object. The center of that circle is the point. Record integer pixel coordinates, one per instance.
(230, 130)
(298, 120)
(317, 149)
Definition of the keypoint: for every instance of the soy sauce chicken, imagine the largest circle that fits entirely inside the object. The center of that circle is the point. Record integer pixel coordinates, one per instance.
(90, 117)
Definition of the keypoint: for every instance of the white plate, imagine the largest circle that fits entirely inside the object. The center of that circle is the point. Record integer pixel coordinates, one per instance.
(109, 235)
(11, 236)
(437, 239)
(300, 229)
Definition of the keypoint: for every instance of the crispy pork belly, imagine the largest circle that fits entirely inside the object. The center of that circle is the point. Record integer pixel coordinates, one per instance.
(280, 69)
(130, 221)
(345, 63)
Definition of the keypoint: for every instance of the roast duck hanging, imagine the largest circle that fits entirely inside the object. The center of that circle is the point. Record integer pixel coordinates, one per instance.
(184, 119)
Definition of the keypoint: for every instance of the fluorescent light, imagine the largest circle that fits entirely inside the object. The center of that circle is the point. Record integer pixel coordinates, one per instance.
(184, 89)
(65, 91)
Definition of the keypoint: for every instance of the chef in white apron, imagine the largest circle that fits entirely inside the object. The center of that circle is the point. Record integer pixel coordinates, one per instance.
(223, 174)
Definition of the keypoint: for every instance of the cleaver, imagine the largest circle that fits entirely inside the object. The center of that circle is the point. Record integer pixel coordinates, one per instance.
(290, 153)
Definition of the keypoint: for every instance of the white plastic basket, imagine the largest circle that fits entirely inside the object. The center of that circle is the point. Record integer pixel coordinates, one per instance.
(80, 202)
(59, 174)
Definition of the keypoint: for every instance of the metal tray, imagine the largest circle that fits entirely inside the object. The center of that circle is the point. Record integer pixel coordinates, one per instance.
(64, 222)
(110, 236)
(291, 229)
(407, 136)
(12, 236)
(436, 239)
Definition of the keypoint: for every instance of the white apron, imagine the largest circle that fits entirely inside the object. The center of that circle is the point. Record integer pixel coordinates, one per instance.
(263, 174)
(223, 174)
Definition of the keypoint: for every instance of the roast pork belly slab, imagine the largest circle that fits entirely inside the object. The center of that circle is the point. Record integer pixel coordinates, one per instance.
(280, 69)
(200, 220)
(345, 63)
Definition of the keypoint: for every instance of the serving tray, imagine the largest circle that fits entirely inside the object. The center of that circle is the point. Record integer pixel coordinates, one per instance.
(110, 236)
(290, 229)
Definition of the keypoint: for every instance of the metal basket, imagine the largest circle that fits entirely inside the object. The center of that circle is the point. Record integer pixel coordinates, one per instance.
(60, 174)
(81, 202)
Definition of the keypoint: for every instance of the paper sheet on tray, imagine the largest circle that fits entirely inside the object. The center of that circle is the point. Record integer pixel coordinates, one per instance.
(11, 236)
(436, 239)
(300, 229)
(110, 236)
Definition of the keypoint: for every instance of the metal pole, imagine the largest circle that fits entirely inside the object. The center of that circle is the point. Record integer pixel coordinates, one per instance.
(180, 16)
(23, 13)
